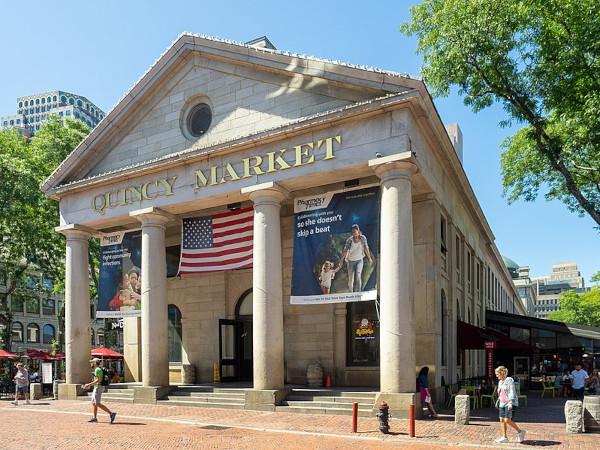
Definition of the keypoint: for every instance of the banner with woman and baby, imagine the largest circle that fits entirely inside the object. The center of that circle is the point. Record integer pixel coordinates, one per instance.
(120, 282)
(336, 241)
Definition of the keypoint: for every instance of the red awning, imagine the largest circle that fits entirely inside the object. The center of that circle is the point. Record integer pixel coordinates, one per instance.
(470, 337)
(106, 353)
(9, 355)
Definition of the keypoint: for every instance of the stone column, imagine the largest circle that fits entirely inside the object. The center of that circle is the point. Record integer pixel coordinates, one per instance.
(77, 309)
(267, 288)
(155, 357)
(396, 289)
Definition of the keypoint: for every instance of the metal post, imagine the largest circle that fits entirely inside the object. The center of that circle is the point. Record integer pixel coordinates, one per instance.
(354, 417)
(411, 415)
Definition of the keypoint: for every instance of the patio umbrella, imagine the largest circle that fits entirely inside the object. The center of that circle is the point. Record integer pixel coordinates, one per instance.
(8, 355)
(37, 354)
(106, 353)
(58, 356)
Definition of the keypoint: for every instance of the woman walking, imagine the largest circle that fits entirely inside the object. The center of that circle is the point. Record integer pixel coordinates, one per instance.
(423, 385)
(507, 403)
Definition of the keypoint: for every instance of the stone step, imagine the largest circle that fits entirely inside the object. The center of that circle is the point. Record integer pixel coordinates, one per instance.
(197, 404)
(326, 398)
(324, 411)
(117, 395)
(330, 393)
(207, 399)
(120, 390)
(235, 395)
(326, 404)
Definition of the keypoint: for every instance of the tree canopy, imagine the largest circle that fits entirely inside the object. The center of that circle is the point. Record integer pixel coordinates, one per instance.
(583, 309)
(540, 59)
(28, 241)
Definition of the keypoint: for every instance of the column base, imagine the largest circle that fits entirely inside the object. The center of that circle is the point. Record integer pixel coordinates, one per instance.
(399, 404)
(150, 394)
(264, 399)
(70, 391)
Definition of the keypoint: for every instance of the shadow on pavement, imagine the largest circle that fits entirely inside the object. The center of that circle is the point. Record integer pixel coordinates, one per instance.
(541, 443)
(128, 423)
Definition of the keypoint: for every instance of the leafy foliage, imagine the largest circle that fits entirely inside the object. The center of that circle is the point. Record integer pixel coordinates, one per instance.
(583, 309)
(27, 217)
(540, 60)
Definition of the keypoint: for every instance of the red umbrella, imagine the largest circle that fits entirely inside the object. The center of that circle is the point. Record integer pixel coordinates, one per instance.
(5, 354)
(37, 354)
(58, 356)
(106, 353)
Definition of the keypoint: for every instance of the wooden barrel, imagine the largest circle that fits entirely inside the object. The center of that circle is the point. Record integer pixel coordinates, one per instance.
(591, 412)
(314, 374)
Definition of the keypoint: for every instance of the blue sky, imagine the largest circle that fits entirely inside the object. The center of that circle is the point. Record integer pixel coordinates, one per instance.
(99, 49)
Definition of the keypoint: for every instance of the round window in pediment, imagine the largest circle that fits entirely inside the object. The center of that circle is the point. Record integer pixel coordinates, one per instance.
(198, 120)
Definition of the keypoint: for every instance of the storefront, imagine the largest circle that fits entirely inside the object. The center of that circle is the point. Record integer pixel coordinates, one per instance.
(359, 243)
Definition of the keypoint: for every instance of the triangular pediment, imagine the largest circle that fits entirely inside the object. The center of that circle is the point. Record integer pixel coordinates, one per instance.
(248, 90)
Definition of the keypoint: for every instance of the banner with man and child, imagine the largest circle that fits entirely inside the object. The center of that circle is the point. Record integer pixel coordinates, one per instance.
(120, 282)
(336, 240)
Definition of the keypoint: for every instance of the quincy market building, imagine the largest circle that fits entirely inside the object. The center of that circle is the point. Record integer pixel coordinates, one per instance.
(216, 125)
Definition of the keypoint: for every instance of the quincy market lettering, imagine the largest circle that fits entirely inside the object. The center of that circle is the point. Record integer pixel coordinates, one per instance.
(283, 159)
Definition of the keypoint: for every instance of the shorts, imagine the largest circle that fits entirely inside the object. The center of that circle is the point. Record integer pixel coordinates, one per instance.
(97, 394)
(578, 393)
(506, 413)
(22, 390)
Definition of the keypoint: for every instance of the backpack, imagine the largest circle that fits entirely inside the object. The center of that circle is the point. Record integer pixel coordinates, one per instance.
(106, 376)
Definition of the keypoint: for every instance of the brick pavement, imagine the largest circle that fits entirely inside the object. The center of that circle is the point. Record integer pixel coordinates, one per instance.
(61, 424)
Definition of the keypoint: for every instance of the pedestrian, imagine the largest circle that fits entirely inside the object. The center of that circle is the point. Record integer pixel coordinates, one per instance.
(507, 405)
(565, 382)
(21, 384)
(579, 377)
(99, 382)
(423, 385)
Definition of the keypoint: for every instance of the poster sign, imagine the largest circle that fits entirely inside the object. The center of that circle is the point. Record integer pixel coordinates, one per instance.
(336, 239)
(46, 373)
(119, 290)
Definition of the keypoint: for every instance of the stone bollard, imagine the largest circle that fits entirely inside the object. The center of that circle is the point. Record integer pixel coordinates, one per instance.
(188, 373)
(574, 416)
(35, 391)
(591, 413)
(462, 409)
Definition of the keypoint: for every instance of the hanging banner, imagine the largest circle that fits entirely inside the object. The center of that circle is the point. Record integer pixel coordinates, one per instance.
(120, 283)
(336, 240)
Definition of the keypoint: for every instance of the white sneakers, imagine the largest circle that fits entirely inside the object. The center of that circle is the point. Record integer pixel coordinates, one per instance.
(15, 403)
(520, 438)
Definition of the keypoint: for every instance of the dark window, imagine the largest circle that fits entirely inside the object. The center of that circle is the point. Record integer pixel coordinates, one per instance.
(199, 119)
(363, 334)
(173, 254)
(101, 337)
(37, 101)
(43, 101)
(48, 334)
(33, 305)
(92, 338)
(33, 333)
(17, 332)
(444, 323)
(48, 307)
(175, 330)
(71, 101)
(54, 98)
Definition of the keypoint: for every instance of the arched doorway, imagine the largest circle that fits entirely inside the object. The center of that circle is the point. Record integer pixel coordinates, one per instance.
(235, 342)
(243, 314)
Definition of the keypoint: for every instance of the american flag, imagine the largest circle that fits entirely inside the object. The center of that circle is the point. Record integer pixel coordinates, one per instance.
(217, 243)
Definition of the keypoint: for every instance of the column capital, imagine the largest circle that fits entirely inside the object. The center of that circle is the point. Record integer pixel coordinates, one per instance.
(266, 193)
(152, 216)
(74, 231)
(399, 165)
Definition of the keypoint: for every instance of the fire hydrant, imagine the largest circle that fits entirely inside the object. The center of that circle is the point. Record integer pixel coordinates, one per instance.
(384, 418)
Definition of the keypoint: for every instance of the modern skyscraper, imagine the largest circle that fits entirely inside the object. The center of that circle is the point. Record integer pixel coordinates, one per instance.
(34, 110)
(564, 277)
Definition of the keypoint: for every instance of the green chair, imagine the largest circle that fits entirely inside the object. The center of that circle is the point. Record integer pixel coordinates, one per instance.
(492, 397)
(549, 386)
(471, 391)
(519, 395)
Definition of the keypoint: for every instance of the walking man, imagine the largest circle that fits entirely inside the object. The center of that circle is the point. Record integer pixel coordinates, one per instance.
(21, 384)
(99, 384)
(579, 377)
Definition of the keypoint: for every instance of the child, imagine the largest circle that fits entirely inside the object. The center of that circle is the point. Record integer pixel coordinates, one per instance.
(327, 274)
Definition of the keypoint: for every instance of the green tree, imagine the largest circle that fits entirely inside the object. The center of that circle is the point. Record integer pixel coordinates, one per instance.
(540, 59)
(27, 217)
(583, 309)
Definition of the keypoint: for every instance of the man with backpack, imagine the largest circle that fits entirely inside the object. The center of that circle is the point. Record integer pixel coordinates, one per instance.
(100, 383)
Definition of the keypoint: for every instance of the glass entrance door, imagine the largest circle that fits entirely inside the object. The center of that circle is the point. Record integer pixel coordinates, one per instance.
(521, 365)
(229, 349)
